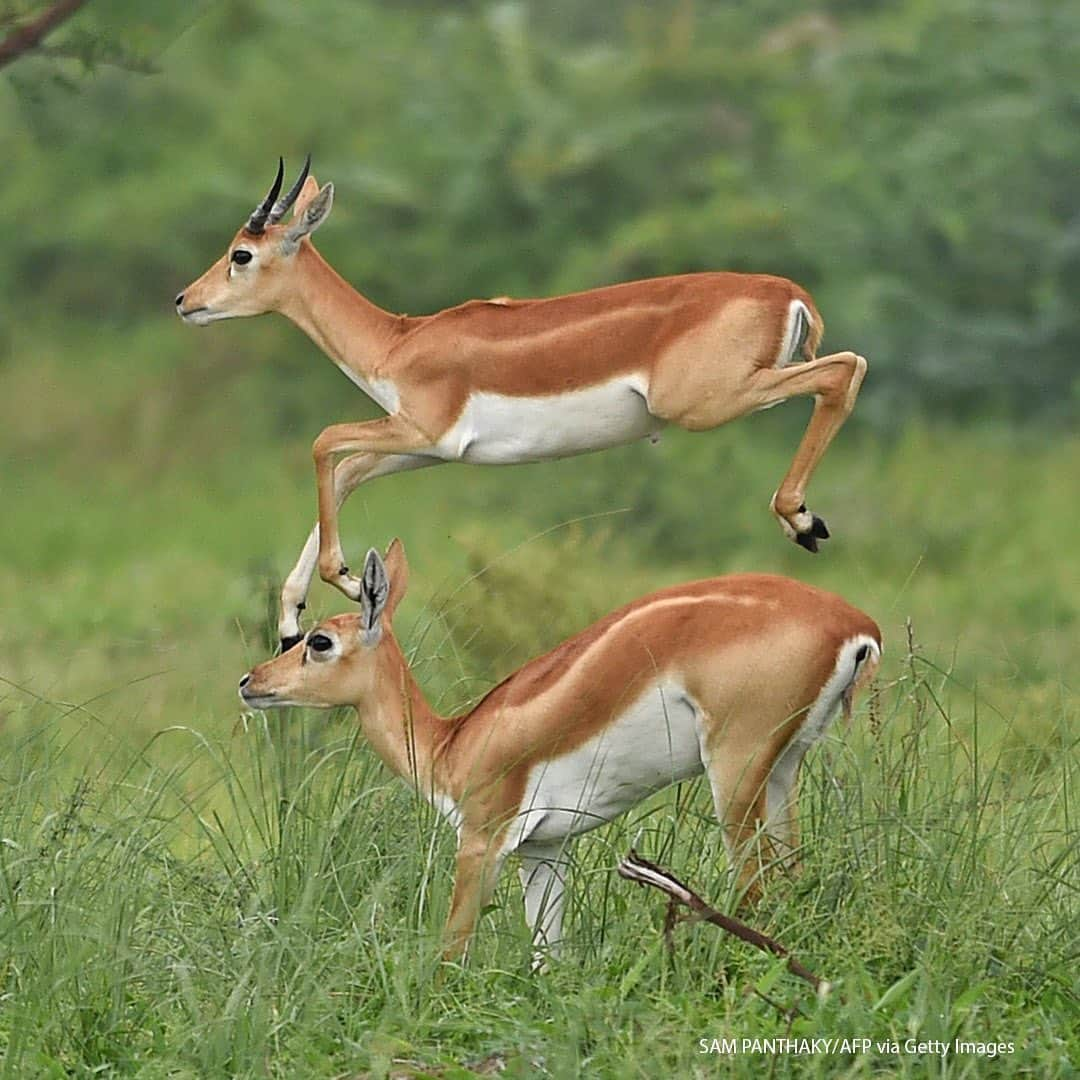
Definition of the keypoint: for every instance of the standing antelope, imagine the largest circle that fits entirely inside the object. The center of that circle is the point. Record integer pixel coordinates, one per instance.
(737, 676)
(503, 381)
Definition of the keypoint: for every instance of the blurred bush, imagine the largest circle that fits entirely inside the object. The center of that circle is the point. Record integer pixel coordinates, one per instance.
(517, 604)
(913, 164)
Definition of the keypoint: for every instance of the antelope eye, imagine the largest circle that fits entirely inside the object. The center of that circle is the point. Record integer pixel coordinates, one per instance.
(320, 643)
(241, 257)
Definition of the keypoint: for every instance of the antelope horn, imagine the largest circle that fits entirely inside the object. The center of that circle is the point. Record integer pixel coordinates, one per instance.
(257, 222)
(281, 207)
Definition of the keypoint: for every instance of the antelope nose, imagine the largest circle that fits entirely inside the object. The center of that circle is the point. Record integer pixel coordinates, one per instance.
(179, 299)
(245, 680)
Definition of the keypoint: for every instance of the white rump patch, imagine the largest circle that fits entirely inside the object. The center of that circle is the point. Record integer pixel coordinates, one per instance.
(780, 786)
(828, 701)
(798, 326)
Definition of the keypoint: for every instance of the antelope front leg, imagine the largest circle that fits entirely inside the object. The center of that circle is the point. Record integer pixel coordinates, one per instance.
(834, 381)
(392, 435)
(478, 864)
(348, 476)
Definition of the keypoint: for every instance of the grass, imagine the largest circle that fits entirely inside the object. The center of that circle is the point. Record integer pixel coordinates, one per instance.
(296, 932)
(185, 892)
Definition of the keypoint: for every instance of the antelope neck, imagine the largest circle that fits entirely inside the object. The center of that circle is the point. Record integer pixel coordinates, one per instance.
(402, 727)
(349, 328)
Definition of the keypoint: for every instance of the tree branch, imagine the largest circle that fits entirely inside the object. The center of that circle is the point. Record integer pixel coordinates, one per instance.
(29, 36)
(635, 868)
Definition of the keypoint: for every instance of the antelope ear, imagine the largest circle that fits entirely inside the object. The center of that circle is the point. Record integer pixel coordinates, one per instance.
(397, 570)
(307, 193)
(374, 592)
(315, 211)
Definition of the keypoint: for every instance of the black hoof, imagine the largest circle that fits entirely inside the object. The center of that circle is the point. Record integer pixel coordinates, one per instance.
(819, 529)
(808, 541)
(288, 642)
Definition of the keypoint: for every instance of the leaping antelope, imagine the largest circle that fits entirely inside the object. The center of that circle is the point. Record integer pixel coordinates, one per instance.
(737, 676)
(502, 381)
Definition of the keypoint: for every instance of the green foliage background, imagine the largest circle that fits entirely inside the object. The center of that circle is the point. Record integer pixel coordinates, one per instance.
(187, 893)
(913, 164)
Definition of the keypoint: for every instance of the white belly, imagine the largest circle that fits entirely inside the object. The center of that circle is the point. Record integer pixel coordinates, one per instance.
(654, 743)
(497, 429)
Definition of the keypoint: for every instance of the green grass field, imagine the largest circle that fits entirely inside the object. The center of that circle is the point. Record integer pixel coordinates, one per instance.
(188, 892)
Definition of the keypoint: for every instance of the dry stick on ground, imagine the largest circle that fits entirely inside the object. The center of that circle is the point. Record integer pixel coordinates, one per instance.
(635, 868)
(29, 35)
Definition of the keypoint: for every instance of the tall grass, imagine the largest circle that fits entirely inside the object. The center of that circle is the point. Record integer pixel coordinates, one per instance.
(268, 903)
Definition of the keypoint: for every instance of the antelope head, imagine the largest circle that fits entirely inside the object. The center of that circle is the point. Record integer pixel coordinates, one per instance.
(339, 661)
(253, 275)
